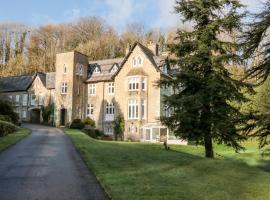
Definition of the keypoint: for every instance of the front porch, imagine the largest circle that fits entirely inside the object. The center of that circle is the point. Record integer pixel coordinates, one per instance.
(157, 133)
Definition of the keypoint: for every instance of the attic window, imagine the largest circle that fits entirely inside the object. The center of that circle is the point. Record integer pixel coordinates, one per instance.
(137, 61)
(96, 70)
(114, 69)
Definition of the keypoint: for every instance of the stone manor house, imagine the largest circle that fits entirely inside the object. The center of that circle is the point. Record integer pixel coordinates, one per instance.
(98, 89)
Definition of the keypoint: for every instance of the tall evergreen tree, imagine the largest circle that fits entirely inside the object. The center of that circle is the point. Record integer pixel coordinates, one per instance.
(256, 43)
(204, 89)
(256, 48)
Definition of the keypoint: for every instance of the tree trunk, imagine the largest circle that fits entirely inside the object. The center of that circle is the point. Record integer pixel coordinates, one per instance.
(208, 145)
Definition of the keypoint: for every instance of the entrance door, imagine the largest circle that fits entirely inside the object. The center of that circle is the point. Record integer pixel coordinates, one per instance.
(35, 116)
(63, 117)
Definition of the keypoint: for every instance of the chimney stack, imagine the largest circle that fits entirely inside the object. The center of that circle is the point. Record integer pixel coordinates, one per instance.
(154, 47)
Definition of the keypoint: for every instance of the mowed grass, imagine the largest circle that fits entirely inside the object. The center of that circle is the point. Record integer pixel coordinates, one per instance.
(147, 171)
(13, 138)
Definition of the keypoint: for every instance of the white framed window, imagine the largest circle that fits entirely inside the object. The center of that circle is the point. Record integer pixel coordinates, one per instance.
(25, 99)
(65, 69)
(17, 99)
(24, 113)
(139, 60)
(89, 109)
(109, 112)
(41, 99)
(109, 130)
(10, 97)
(134, 62)
(33, 99)
(92, 89)
(133, 109)
(133, 83)
(109, 109)
(143, 110)
(110, 88)
(97, 70)
(144, 85)
(114, 69)
(63, 88)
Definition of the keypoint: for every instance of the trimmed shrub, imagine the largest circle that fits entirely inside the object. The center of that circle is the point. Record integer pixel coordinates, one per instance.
(77, 124)
(6, 128)
(90, 122)
(93, 132)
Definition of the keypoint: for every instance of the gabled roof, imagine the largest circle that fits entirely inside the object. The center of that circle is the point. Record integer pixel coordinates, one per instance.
(16, 83)
(24, 82)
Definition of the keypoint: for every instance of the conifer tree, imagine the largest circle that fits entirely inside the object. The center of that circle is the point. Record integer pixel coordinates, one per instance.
(204, 88)
(256, 43)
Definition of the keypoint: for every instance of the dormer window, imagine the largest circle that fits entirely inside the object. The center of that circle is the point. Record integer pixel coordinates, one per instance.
(96, 70)
(65, 69)
(114, 68)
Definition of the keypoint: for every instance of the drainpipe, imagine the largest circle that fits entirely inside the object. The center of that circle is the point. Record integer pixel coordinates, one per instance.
(103, 107)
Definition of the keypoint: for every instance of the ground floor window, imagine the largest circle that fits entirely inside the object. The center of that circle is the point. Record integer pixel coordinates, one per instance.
(90, 109)
(133, 112)
(24, 113)
(109, 130)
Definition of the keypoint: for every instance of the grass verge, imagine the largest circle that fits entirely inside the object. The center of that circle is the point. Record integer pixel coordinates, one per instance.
(147, 171)
(13, 138)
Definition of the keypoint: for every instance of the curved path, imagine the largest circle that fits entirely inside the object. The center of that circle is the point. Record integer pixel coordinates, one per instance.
(45, 165)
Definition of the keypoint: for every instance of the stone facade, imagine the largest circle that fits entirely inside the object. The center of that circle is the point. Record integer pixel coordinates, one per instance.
(103, 89)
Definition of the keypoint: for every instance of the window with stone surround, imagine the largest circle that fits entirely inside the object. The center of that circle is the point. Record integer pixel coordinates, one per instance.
(110, 88)
(64, 88)
(133, 109)
(92, 89)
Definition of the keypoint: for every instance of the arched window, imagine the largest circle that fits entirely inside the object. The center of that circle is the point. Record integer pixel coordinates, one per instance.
(134, 62)
(65, 69)
(139, 60)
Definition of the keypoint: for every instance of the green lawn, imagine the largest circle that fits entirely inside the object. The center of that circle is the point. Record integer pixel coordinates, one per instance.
(13, 138)
(147, 171)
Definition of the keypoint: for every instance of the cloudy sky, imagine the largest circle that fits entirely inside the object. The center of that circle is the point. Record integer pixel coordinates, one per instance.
(153, 13)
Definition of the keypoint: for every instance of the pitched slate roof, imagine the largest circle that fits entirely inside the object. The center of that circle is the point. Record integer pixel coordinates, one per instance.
(105, 69)
(15, 83)
(22, 83)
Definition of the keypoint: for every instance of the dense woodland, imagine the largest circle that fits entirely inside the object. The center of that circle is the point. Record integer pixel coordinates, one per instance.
(25, 49)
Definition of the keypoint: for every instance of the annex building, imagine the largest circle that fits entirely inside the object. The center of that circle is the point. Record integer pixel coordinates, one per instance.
(100, 89)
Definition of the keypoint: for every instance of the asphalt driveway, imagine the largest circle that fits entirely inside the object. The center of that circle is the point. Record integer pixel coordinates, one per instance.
(45, 165)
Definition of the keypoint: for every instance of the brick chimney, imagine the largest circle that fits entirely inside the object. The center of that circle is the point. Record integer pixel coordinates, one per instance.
(154, 47)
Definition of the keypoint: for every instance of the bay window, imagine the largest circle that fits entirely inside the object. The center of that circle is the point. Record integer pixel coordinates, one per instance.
(133, 83)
